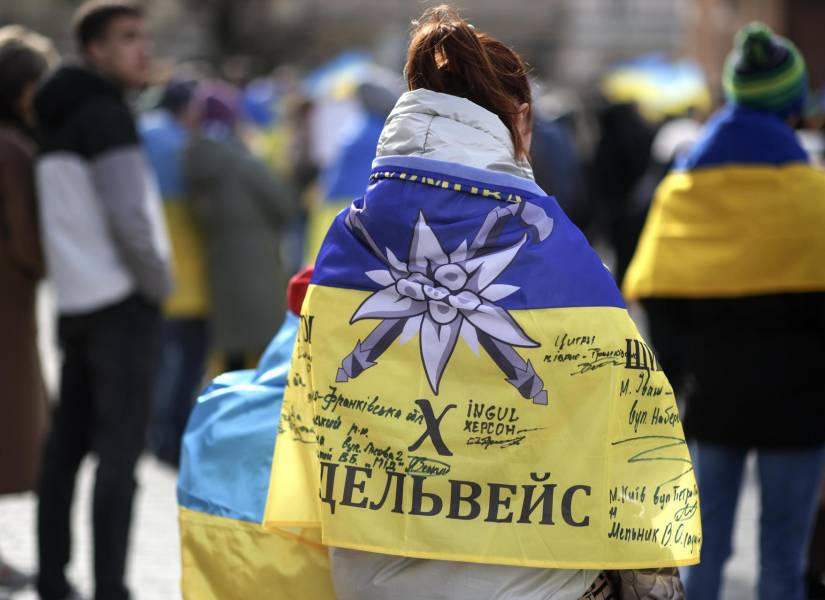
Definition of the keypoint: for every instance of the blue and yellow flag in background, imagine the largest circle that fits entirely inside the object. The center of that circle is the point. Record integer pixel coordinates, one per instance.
(165, 140)
(468, 385)
(743, 214)
(342, 181)
(658, 86)
(222, 487)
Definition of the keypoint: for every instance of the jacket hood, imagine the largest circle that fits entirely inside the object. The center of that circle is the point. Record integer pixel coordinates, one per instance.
(449, 128)
(67, 90)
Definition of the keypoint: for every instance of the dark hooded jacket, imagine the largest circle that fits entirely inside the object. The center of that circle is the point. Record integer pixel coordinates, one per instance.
(104, 236)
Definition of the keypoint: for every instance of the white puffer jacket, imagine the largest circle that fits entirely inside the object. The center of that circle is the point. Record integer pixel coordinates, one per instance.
(452, 129)
(448, 128)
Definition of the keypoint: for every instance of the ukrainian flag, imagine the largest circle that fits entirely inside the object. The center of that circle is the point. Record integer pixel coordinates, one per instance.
(222, 487)
(743, 214)
(468, 385)
(165, 141)
(343, 180)
(658, 86)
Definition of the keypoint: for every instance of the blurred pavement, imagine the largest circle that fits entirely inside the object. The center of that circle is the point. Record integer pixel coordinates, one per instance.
(154, 568)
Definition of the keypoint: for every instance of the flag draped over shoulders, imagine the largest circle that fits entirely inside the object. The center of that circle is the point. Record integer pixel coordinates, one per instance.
(742, 215)
(222, 487)
(468, 385)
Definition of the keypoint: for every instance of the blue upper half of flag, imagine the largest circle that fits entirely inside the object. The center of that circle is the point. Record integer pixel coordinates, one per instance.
(737, 135)
(230, 437)
(347, 176)
(427, 221)
(164, 140)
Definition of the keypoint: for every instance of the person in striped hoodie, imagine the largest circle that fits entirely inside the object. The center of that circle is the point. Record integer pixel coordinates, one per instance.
(107, 254)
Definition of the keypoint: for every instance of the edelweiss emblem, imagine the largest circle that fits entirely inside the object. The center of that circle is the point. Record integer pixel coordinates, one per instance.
(442, 297)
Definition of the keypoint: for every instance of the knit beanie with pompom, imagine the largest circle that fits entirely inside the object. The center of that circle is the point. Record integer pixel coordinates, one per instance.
(765, 71)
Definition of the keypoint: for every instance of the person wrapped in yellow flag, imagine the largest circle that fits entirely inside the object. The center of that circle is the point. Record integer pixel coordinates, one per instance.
(471, 412)
(730, 270)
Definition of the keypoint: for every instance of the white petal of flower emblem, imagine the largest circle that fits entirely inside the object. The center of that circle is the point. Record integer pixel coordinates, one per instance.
(425, 249)
(382, 278)
(488, 267)
(437, 345)
(389, 304)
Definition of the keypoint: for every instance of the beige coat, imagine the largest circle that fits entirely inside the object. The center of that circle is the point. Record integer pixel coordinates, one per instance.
(22, 393)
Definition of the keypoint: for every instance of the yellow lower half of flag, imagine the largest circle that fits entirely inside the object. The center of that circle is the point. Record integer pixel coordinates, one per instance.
(225, 558)
(483, 471)
(732, 231)
(320, 218)
(190, 295)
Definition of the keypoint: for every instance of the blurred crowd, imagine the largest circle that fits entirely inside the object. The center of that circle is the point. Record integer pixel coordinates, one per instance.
(171, 211)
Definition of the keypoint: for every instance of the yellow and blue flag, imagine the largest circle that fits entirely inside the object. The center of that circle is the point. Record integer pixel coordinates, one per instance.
(742, 214)
(222, 488)
(164, 140)
(658, 86)
(343, 180)
(467, 385)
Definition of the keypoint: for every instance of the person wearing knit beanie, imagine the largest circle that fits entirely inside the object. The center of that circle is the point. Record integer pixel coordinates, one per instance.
(701, 232)
(765, 71)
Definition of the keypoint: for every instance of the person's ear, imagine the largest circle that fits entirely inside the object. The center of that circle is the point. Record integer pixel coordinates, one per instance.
(92, 52)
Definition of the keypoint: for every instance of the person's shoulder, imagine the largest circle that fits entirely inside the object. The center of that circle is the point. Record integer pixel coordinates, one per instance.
(75, 91)
(159, 125)
(105, 124)
(208, 159)
(203, 146)
(101, 112)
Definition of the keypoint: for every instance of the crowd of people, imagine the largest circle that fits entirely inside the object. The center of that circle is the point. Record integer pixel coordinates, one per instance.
(168, 215)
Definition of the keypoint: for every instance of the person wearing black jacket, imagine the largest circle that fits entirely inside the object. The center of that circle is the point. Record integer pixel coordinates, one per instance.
(107, 254)
(730, 271)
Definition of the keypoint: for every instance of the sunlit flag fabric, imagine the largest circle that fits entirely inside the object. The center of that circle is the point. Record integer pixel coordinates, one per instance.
(658, 86)
(742, 215)
(222, 486)
(468, 385)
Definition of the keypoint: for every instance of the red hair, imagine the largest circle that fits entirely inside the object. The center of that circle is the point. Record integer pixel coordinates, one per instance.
(446, 55)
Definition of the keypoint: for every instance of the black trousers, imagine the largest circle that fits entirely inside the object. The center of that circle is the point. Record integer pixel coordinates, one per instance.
(109, 361)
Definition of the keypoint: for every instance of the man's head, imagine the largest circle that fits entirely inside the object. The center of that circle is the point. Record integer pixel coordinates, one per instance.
(111, 36)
